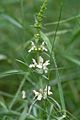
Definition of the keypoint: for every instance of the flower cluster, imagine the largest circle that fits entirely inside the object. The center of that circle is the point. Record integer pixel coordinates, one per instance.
(40, 64)
(34, 47)
(42, 93)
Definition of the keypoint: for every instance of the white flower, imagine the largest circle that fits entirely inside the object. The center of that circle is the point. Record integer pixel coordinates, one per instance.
(37, 94)
(47, 91)
(34, 47)
(34, 64)
(43, 48)
(23, 94)
(42, 93)
(41, 64)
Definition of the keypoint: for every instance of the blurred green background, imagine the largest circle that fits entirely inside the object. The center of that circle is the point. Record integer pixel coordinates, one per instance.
(16, 31)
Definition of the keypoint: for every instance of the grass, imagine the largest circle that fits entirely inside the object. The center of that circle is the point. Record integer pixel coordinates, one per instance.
(60, 30)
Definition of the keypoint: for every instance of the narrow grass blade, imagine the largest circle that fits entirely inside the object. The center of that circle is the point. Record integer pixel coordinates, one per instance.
(18, 92)
(11, 20)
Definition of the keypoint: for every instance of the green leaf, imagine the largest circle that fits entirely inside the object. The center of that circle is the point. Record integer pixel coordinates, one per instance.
(3, 105)
(47, 41)
(73, 60)
(11, 20)
(10, 72)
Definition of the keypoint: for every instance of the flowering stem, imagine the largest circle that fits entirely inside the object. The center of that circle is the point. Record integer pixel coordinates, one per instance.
(31, 106)
(56, 103)
(39, 19)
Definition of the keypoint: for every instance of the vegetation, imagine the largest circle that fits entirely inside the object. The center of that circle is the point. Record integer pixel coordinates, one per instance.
(39, 60)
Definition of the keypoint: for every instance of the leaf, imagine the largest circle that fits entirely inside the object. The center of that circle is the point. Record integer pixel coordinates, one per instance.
(3, 105)
(10, 72)
(22, 62)
(74, 60)
(23, 114)
(11, 20)
(64, 21)
(59, 32)
(46, 40)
